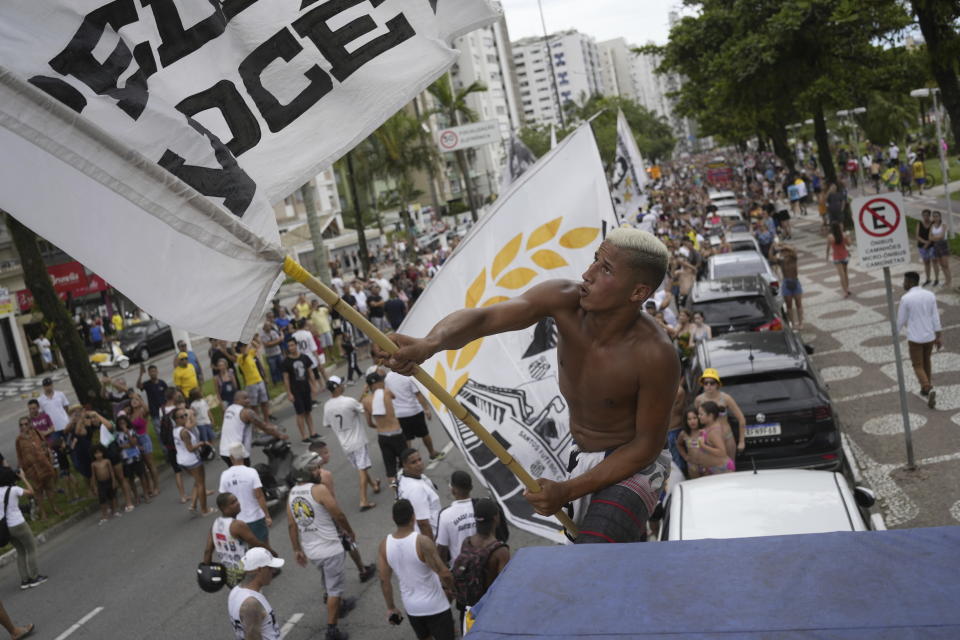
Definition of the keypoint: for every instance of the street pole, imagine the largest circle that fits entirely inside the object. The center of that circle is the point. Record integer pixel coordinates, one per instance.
(944, 168)
(900, 381)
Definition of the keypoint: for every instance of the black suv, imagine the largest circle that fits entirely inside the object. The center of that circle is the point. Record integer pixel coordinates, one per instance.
(736, 304)
(145, 339)
(790, 420)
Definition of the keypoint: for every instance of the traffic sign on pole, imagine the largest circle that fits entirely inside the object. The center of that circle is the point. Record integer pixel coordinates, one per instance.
(882, 242)
(881, 230)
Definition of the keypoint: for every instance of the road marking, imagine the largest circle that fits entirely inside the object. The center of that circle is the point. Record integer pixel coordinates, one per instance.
(82, 621)
(289, 625)
(445, 451)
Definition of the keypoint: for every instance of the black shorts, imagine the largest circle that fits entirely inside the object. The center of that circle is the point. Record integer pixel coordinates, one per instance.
(105, 491)
(302, 402)
(414, 426)
(172, 460)
(133, 469)
(390, 448)
(439, 626)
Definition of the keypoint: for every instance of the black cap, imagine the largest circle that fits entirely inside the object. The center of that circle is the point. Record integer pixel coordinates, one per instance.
(373, 378)
(47, 382)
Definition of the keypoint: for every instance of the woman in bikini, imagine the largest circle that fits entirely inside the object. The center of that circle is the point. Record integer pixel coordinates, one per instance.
(702, 444)
(734, 434)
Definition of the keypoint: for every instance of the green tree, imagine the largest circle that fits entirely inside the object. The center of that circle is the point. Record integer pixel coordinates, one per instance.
(321, 260)
(453, 105)
(65, 334)
(757, 65)
(397, 150)
(939, 22)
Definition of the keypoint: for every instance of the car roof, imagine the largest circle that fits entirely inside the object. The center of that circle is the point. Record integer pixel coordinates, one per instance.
(766, 503)
(722, 195)
(724, 288)
(748, 352)
(739, 256)
(740, 236)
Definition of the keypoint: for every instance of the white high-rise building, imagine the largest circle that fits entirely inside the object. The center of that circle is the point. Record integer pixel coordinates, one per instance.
(486, 58)
(576, 66)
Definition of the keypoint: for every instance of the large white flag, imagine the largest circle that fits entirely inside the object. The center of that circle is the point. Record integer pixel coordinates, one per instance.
(629, 176)
(149, 139)
(546, 226)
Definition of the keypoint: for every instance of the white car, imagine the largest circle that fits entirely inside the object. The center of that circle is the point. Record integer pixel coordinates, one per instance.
(727, 217)
(722, 195)
(776, 502)
(742, 263)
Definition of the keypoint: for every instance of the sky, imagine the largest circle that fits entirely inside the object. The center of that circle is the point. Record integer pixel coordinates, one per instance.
(639, 21)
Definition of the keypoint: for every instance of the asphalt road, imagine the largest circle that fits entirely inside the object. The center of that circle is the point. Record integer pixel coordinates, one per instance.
(136, 575)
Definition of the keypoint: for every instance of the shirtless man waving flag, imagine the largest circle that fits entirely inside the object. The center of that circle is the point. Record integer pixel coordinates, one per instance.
(618, 372)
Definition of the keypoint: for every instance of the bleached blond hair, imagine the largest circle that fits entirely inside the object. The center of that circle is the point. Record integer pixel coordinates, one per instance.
(646, 254)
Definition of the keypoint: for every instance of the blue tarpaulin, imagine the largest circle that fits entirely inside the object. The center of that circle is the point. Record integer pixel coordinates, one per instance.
(878, 585)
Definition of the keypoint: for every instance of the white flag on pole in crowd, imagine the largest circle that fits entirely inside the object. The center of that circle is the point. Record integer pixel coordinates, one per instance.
(519, 159)
(149, 140)
(548, 225)
(629, 176)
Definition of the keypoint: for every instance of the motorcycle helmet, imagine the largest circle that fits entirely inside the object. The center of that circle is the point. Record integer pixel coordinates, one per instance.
(211, 577)
(206, 452)
(304, 465)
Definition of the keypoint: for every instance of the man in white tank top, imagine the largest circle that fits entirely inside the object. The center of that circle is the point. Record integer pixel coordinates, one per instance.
(250, 613)
(230, 539)
(239, 420)
(425, 581)
(314, 518)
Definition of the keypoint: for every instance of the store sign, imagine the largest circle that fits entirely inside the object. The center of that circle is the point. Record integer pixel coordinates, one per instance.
(6, 302)
(69, 277)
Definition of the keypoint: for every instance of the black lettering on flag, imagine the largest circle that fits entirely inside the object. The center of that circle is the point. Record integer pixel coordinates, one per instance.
(282, 45)
(232, 8)
(61, 90)
(229, 182)
(178, 42)
(332, 44)
(77, 60)
(238, 116)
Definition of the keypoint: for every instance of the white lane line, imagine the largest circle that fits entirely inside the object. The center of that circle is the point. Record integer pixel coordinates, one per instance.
(445, 451)
(82, 621)
(290, 624)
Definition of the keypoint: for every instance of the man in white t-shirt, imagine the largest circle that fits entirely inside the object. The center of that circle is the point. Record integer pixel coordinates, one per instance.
(54, 404)
(345, 416)
(412, 485)
(457, 522)
(308, 345)
(412, 410)
(244, 483)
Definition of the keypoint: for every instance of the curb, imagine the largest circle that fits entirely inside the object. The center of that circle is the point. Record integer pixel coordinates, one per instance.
(876, 517)
(49, 534)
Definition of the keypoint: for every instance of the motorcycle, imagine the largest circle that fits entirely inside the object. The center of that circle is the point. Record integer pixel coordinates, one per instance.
(275, 473)
(113, 357)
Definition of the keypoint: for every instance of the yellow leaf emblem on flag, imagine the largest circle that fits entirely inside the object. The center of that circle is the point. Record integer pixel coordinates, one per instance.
(468, 353)
(451, 357)
(547, 259)
(544, 233)
(579, 237)
(517, 278)
(440, 375)
(506, 256)
(475, 292)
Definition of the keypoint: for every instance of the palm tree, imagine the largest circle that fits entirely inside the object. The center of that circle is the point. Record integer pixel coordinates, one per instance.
(453, 105)
(398, 148)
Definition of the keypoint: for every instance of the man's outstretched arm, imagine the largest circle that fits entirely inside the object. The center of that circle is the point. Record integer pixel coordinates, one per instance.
(462, 327)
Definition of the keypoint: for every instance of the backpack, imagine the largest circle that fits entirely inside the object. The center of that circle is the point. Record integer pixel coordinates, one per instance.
(470, 571)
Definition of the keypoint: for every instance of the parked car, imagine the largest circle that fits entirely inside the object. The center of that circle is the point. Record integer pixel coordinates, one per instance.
(723, 199)
(766, 503)
(790, 419)
(736, 304)
(728, 216)
(742, 263)
(140, 341)
(742, 241)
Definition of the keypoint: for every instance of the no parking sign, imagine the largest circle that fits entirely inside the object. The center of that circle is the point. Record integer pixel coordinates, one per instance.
(881, 227)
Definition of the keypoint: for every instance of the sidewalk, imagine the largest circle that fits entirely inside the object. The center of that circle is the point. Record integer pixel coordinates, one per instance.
(854, 354)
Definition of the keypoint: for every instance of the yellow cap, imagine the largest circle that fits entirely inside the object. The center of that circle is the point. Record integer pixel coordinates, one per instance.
(182, 354)
(710, 374)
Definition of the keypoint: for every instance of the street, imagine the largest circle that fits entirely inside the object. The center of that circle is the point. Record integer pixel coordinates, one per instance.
(136, 574)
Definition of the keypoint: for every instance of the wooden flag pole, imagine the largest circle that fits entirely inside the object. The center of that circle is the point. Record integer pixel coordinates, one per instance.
(354, 317)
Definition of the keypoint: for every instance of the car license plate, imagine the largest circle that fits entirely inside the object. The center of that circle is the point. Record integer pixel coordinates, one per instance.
(765, 429)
